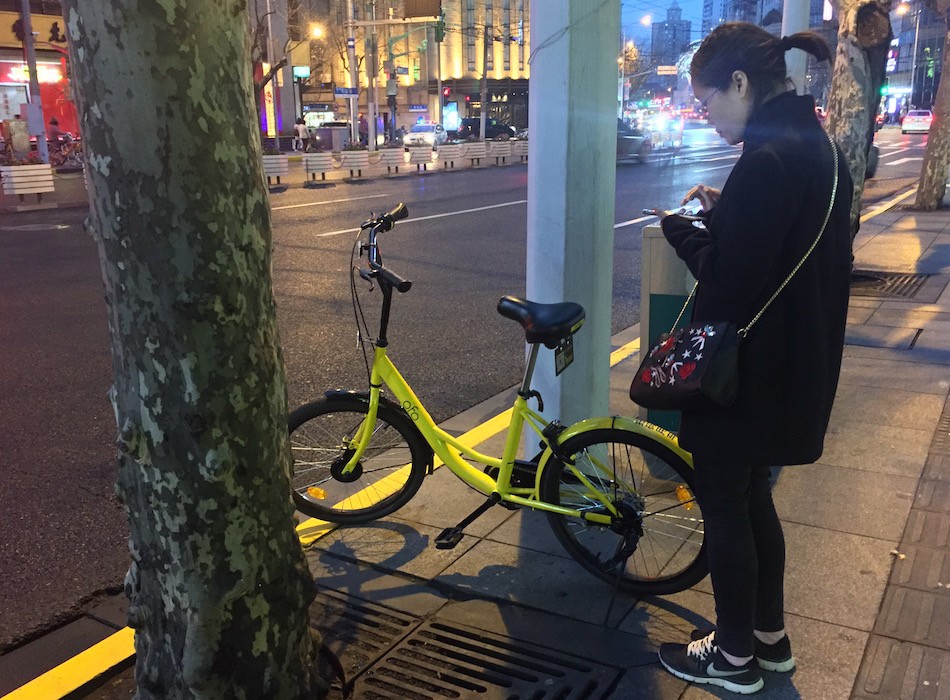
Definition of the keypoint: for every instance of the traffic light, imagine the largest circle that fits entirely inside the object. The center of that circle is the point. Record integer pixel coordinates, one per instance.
(445, 95)
(440, 28)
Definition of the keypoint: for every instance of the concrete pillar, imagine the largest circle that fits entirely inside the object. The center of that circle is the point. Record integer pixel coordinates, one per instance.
(572, 121)
(795, 19)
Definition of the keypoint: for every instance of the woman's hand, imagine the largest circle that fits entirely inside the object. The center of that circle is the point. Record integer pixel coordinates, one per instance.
(707, 196)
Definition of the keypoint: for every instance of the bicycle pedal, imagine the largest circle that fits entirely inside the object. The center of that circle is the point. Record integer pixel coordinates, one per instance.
(449, 538)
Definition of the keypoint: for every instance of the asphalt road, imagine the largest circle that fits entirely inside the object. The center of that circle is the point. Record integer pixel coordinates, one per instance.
(463, 247)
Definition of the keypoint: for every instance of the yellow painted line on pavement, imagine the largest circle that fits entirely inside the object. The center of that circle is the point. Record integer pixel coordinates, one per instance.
(86, 666)
(881, 208)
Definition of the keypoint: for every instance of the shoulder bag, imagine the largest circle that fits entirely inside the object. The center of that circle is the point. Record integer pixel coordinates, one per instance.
(696, 367)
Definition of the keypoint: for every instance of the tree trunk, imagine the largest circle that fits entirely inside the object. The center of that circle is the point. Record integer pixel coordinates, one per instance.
(933, 173)
(862, 29)
(218, 585)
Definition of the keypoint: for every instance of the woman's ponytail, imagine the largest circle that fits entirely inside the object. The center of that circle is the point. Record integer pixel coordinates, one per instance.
(809, 42)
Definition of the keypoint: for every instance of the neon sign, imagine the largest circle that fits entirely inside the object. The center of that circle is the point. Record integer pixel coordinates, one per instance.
(20, 73)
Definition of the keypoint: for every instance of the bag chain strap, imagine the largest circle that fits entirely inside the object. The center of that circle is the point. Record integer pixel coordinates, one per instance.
(743, 332)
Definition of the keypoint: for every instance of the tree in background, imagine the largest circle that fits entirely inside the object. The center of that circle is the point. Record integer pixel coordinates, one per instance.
(933, 174)
(218, 584)
(864, 36)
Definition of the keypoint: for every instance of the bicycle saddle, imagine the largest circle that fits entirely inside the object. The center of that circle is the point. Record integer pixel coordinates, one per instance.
(543, 323)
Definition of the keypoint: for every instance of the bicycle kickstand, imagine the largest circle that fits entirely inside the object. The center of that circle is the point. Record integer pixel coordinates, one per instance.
(451, 536)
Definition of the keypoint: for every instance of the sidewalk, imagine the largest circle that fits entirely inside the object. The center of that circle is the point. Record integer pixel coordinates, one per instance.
(507, 614)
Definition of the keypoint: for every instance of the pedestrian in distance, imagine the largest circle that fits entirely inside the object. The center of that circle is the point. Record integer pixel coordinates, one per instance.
(301, 135)
(751, 236)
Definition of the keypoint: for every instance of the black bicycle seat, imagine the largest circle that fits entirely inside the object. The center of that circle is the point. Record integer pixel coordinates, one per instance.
(543, 323)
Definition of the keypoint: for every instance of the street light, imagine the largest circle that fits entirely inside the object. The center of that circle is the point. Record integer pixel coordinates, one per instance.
(902, 10)
(316, 31)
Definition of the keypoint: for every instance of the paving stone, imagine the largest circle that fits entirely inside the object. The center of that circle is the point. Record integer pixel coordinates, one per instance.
(529, 529)
(362, 581)
(552, 583)
(916, 616)
(858, 315)
(650, 682)
(894, 669)
(910, 318)
(927, 529)
(880, 336)
(895, 374)
(937, 467)
(874, 504)
(933, 495)
(920, 354)
(395, 546)
(923, 568)
(906, 409)
(881, 449)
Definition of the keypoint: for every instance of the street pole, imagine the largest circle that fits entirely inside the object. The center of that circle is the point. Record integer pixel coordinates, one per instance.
(483, 117)
(438, 70)
(371, 67)
(913, 58)
(274, 87)
(35, 123)
(354, 78)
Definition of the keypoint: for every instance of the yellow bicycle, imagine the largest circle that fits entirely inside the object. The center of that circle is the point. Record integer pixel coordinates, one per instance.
(617, 491)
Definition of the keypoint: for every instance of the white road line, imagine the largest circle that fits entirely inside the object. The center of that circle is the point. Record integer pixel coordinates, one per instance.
(329, 201)
(903, 160)
(631, 222)
(894, 153)
(432, 216)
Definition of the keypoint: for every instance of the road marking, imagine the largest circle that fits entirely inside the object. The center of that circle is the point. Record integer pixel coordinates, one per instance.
(329, 201)
(76, 672)
(432, 216)
(904, 160)
(880, 209)
(899, 149)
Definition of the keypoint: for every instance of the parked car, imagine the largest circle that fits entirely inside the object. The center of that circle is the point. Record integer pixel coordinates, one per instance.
(632, 142)
(425, 135)
(918, 121)
(494, 129)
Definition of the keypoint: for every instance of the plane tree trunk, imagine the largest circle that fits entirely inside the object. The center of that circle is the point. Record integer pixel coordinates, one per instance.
(218, 584)
(933, 173)
(864, 35)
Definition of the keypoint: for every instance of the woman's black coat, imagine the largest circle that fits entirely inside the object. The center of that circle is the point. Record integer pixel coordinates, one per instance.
(770, 211)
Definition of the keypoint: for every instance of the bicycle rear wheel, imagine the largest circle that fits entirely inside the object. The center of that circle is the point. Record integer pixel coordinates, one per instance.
(657, 546)
(388, 475)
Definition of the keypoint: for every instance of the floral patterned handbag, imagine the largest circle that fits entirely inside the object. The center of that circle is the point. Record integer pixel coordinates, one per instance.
(696, 367)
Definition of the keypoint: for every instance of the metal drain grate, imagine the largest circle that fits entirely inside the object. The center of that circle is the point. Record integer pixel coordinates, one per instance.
(356, 631)
(441, 660)
(886, 284)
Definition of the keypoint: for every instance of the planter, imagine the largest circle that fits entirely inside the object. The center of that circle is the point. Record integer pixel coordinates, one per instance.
(392, 158)
(275, 166)
(448, 153)
(27, 179)
(420, 156)
(354, 160)
(519, 150)
(474, 151)
(318, 163)
(500, 151)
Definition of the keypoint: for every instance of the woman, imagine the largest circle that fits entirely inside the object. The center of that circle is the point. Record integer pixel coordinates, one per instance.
(757, 230)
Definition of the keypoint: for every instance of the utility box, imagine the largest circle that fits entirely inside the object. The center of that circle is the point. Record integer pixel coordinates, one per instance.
(332, 136)
(665, 284)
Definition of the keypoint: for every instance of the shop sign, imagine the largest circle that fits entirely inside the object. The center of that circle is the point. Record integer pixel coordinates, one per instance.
(49, 29)
(20, 73)
(402, 70)
(346, 92)
(418, 108)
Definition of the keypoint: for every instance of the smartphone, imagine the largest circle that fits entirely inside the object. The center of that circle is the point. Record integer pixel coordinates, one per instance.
(693, 213)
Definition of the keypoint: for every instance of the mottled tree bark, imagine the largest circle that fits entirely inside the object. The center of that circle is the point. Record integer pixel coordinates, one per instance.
(863, 28)
(933, 173)
(218, 584)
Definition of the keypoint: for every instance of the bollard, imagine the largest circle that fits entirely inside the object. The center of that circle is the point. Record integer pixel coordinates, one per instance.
(665, 283)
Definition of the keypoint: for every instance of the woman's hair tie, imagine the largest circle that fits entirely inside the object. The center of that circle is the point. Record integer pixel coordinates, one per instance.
(785, 43)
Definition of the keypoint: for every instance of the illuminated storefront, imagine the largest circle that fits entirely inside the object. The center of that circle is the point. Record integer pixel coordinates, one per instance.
(51, 67)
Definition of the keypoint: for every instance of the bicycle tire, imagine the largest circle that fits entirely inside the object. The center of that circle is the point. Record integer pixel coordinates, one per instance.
(397, 452)
(653, 486)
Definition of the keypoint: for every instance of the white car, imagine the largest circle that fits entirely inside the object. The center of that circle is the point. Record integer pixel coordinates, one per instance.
(918, 121)
(425, 135)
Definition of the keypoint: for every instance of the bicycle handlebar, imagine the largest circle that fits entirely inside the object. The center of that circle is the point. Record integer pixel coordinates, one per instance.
(383, 222)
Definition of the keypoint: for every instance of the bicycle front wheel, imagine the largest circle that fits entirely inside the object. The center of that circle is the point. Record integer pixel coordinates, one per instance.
(655, 544)
(386, 477)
